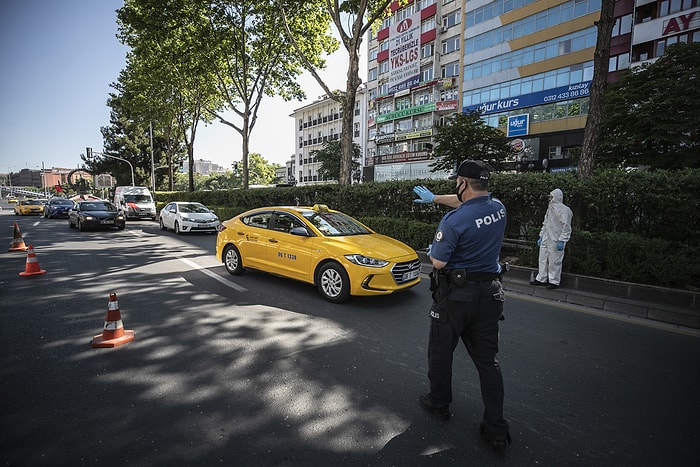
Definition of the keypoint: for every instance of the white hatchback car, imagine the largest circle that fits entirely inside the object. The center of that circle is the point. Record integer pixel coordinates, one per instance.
(185, 216)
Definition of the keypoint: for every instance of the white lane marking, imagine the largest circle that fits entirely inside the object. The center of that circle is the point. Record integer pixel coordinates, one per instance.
(212, 275)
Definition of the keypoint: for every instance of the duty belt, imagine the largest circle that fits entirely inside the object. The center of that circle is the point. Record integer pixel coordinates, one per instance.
(460, 276)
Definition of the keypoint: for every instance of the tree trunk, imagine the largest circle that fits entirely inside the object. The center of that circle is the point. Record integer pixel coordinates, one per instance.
(596, 108)
(352, 83)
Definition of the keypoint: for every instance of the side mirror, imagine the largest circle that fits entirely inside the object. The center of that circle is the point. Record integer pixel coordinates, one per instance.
(300, 231)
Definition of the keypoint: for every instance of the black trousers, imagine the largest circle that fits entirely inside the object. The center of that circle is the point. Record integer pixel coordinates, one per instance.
(470, 313)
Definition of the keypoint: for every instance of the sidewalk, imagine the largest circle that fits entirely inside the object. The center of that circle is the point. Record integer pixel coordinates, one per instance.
(670, 306)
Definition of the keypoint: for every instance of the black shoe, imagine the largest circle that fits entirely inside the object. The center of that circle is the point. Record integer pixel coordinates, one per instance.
(497, 443)
(427, 402)
(536, 282)
(552, 286)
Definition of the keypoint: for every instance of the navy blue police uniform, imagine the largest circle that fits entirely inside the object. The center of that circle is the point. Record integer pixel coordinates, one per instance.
(468, 304)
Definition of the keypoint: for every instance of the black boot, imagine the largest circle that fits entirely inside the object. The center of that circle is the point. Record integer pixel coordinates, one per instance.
(441, 412)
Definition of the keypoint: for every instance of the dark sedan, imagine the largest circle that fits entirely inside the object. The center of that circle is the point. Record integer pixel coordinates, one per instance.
(95, 214)
(58, 207)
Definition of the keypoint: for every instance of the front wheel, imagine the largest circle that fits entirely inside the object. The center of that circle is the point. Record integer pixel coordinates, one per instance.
(232, 260)
(333, 283)
(177, 228)
(162, 226)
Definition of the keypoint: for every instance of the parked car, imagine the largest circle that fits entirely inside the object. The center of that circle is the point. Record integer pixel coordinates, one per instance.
(57, 207)
(326, 248)
(27, 207)
(95, 214)
(183, 216)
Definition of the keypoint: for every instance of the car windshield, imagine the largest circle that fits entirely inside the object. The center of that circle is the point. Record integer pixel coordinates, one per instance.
(335, 224)
(98, 206)
(62, 202)
(193, 207)
(137, 198)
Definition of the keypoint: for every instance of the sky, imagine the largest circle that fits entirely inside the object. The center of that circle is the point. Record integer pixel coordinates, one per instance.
(57, 61)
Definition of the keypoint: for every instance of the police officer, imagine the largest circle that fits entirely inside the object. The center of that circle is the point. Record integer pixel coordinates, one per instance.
(467, 296)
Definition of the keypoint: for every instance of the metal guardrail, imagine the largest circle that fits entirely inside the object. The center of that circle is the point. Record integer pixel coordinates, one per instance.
(22, 192)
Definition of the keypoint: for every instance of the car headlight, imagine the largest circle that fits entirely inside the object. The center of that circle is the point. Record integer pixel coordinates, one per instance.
(88, 218)
(362, 260)
(120, 216)
(187, 219)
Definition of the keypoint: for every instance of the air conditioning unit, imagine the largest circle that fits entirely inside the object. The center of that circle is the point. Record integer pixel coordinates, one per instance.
(444, 29)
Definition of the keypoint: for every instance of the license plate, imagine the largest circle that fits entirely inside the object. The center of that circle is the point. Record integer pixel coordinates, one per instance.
(107, 222)
(407, 276)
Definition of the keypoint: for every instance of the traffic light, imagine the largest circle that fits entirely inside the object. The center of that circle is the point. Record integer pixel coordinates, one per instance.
(88, 153)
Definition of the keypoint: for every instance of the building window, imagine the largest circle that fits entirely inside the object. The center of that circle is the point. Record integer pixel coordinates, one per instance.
(424, 98)
(384, 45)
(426, 50)
(451, 44)
(451, 69)
(402, 103)
(373, 53)
(372, 74)
(451, 19)
(384, 67)
(426, 73)
(385, 107)
(623, 25)
(404, 13)
(428, 24)
(619, 62)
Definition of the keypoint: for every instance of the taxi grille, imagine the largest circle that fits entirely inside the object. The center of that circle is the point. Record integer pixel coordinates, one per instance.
(400, 269)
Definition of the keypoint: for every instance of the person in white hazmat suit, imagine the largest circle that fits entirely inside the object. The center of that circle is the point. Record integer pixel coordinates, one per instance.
(556, 231)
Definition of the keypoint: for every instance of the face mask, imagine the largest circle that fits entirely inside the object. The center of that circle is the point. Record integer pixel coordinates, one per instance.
(459, 193)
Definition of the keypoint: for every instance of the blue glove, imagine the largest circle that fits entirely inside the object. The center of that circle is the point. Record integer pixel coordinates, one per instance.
(425, 196)
(560, 245)
(539, 241)
(430, 246)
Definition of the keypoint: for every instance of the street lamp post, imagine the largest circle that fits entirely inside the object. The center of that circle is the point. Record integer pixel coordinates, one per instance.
(43, 180)
(90, 151)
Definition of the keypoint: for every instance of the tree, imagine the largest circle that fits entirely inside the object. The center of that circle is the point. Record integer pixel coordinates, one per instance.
(596, 106)
(151, 111)
(126, 139)
(165, 41)
(250, 58)
(261, 172)
(330, 156)
(467, 136)
(651, 116)
(352, 19)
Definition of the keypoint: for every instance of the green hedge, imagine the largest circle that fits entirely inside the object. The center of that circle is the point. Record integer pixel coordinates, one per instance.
(634, 226)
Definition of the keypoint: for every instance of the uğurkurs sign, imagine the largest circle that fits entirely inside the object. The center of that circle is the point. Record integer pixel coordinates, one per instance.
(404, 54)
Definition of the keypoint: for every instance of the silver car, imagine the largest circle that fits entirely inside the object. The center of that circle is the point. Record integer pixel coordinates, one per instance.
(185, 216)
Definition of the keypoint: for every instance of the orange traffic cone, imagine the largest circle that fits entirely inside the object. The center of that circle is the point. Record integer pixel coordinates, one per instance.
(31, 267)
(17, 240)
(113, 333)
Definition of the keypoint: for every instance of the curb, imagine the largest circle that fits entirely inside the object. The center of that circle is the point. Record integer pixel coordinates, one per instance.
(660, 304)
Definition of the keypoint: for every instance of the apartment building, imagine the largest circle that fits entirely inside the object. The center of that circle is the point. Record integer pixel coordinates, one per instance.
(318, 123)
(526, 65)
(412, 85)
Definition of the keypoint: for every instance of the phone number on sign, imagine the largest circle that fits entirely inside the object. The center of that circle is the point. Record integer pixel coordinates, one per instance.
(567, 95)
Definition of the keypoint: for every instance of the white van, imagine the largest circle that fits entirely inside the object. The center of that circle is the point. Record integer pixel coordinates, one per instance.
(136, 202)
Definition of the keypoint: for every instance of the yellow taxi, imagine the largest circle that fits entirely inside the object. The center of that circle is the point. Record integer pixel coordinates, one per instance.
(11, 198)
(26, 207)
(320, 246)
